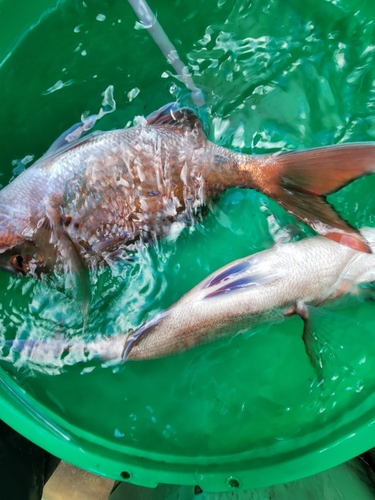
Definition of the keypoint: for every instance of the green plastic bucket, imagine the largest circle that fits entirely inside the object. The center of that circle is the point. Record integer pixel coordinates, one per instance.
(243, 412)
(350, 480)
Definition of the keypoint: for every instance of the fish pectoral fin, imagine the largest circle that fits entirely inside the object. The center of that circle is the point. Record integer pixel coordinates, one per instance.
(77, 274)
(238, 284)
(330, 340)
(319, 172)
(183, 120)
(317, 212)
(133, 338)
(230, 271)
(235, 277)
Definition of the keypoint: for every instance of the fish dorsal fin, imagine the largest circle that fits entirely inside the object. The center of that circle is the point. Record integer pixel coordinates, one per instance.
(53, 154)
(183, 119)
(162, 116)
(70, 136)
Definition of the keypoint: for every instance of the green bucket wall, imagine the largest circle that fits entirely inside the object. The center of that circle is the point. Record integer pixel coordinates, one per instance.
(243, 412)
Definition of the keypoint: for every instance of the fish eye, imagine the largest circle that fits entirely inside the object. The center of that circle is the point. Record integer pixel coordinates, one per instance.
(17, 262)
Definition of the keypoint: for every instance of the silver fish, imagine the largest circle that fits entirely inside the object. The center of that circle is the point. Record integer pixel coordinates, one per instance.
(264, 287)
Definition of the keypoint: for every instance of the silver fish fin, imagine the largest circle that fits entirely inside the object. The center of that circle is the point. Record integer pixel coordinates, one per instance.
(181, 119)
(236, 285)
(72, 135)
(330, 341)
(305, 177)
(76, 272)
(42, 352)
(58, 349)
(135, 337)
(229, 272)
(241, 275)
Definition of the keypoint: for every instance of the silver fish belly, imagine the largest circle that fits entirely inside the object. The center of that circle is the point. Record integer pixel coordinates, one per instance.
(261, 288)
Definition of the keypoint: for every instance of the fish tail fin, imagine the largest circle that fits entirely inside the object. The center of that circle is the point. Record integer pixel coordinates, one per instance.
(60, 349)
(332, 345)
(43, 352)
(302, 180)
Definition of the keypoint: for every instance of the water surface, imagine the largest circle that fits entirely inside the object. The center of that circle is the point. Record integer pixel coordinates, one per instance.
(276, 75)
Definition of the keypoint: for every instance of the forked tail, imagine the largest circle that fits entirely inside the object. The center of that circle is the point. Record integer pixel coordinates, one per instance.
(301, 180)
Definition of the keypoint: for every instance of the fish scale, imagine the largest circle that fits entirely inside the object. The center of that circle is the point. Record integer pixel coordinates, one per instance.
(99, 194)
(114, 194)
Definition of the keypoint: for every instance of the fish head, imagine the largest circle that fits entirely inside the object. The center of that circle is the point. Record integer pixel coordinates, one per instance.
(24, 250)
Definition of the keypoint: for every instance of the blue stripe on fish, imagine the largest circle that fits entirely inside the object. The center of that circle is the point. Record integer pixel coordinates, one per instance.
(235, 285)
(227, 273)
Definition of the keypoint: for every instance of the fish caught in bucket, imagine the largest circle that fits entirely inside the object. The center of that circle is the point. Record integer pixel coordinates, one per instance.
(91, 197)
(285, 280)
